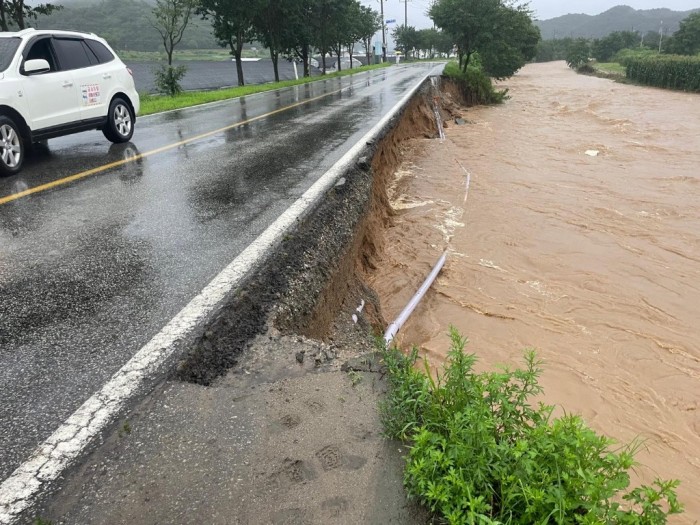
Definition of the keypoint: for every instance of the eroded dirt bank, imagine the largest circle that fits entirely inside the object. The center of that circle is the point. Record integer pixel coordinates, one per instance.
(271, 417)
(593, 260)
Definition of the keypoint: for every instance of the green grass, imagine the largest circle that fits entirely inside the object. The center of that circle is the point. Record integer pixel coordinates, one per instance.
(610, 67)
(483, 452)
(155, 103)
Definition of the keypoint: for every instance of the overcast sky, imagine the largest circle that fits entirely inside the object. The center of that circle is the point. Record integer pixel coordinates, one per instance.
(544, 9)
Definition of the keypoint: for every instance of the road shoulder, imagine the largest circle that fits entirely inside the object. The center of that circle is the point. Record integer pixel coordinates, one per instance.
(288, 438)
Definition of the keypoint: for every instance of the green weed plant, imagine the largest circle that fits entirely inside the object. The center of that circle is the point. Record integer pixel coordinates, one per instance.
(476, 86)
(482, 453)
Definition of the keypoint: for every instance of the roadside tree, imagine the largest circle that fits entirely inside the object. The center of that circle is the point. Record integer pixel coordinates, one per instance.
(515, 45)
(271, 28)
(327, 15)
(299, 32)
(469, 22)
(407, 39)
(354, 29)
(170, 19)
(501, 31)
(232, 21)
(17, 13)
(342, 28)
(370, 23)
(444, 43)
(428, 40)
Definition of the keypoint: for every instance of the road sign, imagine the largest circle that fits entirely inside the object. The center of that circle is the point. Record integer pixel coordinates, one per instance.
(391, 21)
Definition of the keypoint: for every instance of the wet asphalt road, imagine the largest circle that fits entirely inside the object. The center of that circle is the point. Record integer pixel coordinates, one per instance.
(90, 271)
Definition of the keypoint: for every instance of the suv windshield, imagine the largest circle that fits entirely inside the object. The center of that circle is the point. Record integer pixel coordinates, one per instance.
(8, 47)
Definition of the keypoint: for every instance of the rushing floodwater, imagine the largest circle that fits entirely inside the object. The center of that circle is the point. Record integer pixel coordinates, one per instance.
(593, 260)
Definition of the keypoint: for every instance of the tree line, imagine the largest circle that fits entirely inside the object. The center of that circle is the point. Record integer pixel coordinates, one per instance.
(422, 42)
(293, 29)
(500, 35)
(685, 41)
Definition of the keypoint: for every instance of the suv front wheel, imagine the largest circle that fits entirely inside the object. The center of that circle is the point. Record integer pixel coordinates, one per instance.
(120, 121)
(11, 147)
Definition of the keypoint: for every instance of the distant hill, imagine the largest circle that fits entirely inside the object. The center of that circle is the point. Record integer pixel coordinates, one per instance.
(619, 18)
(123, 23)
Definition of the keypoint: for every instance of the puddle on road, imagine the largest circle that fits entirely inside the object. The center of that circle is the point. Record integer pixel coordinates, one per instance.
(594, 261)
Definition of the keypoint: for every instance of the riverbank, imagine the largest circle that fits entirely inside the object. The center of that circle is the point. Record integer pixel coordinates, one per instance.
(578, 238)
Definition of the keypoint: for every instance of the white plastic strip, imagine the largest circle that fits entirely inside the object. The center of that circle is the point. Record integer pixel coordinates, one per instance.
(394, 327)
(469, 179)
(435, 80)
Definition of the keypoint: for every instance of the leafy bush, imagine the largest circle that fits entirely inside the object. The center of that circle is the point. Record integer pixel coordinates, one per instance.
(578, 53)
(482, 454)
(666, 71)
(476, 85)
(167, 79)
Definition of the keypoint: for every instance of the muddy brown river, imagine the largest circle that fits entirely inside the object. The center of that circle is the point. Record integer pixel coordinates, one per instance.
(580, 237)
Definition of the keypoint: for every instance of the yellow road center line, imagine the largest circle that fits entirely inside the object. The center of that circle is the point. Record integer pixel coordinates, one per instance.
(105, 167)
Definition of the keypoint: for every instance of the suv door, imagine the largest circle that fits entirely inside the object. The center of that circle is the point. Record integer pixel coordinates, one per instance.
(93, 79)
(52, 97)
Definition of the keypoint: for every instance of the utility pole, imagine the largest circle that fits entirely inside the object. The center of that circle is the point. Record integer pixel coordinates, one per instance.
(381, 3)
(661, 35)
(405, 13)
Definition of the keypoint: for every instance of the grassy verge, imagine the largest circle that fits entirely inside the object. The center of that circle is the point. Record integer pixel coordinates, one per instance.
(481, 453)
(610, 67)
(156, 104)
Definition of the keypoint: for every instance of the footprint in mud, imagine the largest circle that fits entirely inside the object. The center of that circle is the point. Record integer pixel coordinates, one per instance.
(290, 421)
(335, 507)
(289, 517)
(315, 405)
(292, 472)
(331, 458)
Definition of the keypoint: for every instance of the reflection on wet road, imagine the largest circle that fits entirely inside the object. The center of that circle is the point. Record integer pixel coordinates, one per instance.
(92, 269)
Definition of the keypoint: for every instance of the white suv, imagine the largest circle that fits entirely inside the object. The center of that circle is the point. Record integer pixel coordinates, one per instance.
(54, 83)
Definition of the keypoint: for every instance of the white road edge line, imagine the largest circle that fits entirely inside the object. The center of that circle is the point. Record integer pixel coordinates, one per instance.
(60, 450)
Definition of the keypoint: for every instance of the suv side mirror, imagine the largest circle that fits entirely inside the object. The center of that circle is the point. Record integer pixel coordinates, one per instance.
(36, 66)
